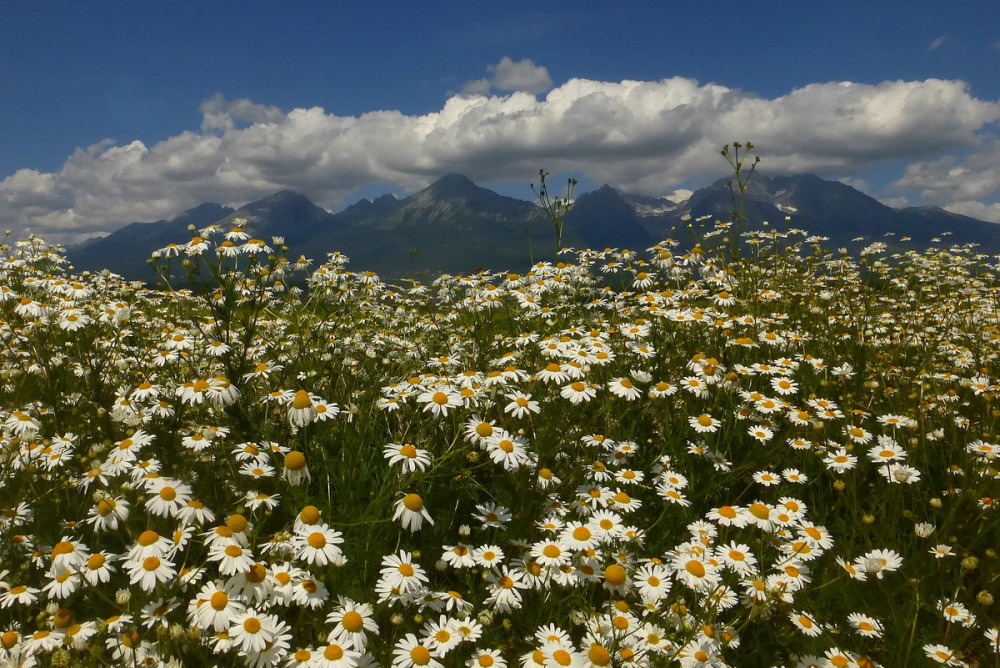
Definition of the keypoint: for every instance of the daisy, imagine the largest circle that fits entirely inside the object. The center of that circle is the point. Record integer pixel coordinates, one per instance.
(318, 544)
(552, 553)
(335, 655)
(766, 405)
(507, 450)
(942, 654)
(18, 595)
(578, 392)
(941, 551)
(486, 658)
(409, 457)
(879, 562)
(456, 603)
(232, 558)
(400, 572)
(784, 386)
(766, 478)
(251, 632)
(762, 515)
(68, 553)
(215, 606)
(954, 611)
(409, 652)
(352, 623)
(737, 557)
(411, 512)
(488, 556)
(310, 593)
(296, 470)
(805, 623)
(259, 500)
(629, 477)
(858, 435)
(149, 543)
(704, 424)
(695, 386)
(624, 388)
(694, 572)
(492, 515)
(546, 479)
(728, 516)
(64, 582)
(652, 581)
(440, 401)
(578, 537)
(504, 588)
(458, 556)
(301, 409)
(815, 535)
(839, 461)
(593, 496)
(794, 475)
(149, 571)
(900, 473)
(324, 411)
(41, 641)
(890, 420)
(521, 405)
(662, 389)
(992, 635)
(623, 503)
(441, 636)
(98, 568)
(866, 626)
(476, 430)
(857, 573)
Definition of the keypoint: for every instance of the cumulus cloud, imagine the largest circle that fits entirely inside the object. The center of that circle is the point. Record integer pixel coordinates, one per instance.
(648, 137)
(960, 184)
(220, 114)
(990, 212)
(522, 76)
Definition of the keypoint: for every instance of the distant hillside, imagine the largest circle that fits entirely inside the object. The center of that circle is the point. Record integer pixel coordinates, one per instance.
(456, 226)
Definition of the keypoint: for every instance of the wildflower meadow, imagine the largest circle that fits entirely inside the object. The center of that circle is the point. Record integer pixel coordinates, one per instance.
(735, 448)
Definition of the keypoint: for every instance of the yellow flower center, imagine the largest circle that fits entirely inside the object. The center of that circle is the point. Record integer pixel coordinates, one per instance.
(420, 655)
(301, 400)
(615, 574)
(695, 568)
(295, 460)
(413, 502)
(352, 621)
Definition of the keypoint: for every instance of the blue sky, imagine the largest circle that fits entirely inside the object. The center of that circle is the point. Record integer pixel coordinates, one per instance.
(122, 111)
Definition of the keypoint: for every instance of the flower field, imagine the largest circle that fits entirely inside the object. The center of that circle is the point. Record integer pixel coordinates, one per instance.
(667, 457)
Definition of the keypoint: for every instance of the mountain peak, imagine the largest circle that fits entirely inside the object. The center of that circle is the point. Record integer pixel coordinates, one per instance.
(453, 186)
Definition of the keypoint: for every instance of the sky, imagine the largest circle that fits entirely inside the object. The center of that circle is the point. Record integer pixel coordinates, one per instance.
(136, 110)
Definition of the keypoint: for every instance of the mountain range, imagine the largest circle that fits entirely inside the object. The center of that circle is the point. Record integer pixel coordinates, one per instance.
(455, 226)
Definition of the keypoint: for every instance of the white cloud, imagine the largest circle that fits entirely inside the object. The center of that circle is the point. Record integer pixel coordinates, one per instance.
(857, 184)
(937, 42)
(644, 136)
(896, 202)
(959, 184)
(220, 114)
(522, 76)
(990, 212)
(680, 195)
